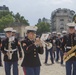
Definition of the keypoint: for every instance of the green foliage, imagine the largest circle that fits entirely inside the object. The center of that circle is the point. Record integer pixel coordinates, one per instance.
(4, 13)
(20, 19)
(8, 19)
(74, 18)
(43, 27)
(5, 20)
(39, 20)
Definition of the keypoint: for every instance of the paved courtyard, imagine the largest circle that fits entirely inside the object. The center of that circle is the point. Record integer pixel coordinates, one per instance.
(55, 69)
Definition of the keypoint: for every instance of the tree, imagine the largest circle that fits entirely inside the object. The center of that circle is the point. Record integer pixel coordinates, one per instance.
(20, 19)
(43, 19)
(43, 27)
(74, 18)
(6, 21)
(39, 20)
(7, 18)
(4, 13)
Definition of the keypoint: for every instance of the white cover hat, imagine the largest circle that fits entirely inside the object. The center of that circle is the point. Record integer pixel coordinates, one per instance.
(31, 28)
(75, 27)
(49, 33)
(58, 33)
(71, 24)
(8, 29)
(14, 31)
(54, 32)
(64, 31)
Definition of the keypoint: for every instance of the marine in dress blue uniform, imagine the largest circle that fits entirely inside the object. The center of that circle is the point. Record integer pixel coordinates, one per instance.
(10, 48)
(69, 41)
(54, 37)
(32, 48)
(64, 32)
(47, 51)
(0, 53)
(58, 43)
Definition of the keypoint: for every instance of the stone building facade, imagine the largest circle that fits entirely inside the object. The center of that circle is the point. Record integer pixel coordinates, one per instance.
(60, 17)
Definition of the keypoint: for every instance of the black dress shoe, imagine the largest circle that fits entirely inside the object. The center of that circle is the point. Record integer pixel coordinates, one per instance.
(45, 63)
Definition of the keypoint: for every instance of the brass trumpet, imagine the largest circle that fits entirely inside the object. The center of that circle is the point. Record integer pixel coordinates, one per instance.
(38, 42)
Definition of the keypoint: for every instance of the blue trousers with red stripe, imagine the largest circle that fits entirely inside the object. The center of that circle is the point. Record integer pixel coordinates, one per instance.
(0, 59)
(31, 70)
(71, 68)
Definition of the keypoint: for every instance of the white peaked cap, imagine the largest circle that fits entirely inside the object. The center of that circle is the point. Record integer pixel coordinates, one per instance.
(75, 27)
(14, 31)
(58, 33)
(8, 29)
(64, 31)
(49, 33)
(54, 32)
(32, 28)
(71, 24)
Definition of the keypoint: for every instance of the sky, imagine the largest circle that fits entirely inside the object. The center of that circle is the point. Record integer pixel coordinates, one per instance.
(32, 10)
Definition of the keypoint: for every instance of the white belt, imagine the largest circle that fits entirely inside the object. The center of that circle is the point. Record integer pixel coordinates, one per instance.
(11, 50)
(68, 47)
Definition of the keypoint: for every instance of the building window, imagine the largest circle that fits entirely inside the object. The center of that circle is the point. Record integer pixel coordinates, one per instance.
(65, 11)
(62, 24)
(61, 28)
(69, 20)
(58, 11)
(61, 19)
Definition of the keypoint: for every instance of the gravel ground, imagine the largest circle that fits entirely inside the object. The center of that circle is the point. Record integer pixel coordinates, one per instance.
(55, 69)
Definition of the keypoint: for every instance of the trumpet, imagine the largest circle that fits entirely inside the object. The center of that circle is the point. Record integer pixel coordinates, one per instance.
(38, 42)
(47, 44)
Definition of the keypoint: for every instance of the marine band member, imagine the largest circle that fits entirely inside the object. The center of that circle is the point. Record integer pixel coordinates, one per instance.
(0, 53)
(10, 47)
(69, 41)
(14, 32)
(58, 43)
(31, 47)
(47, 51)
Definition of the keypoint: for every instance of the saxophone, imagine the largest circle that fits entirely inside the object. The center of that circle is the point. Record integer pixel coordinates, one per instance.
(70, 54)
(10, 52)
